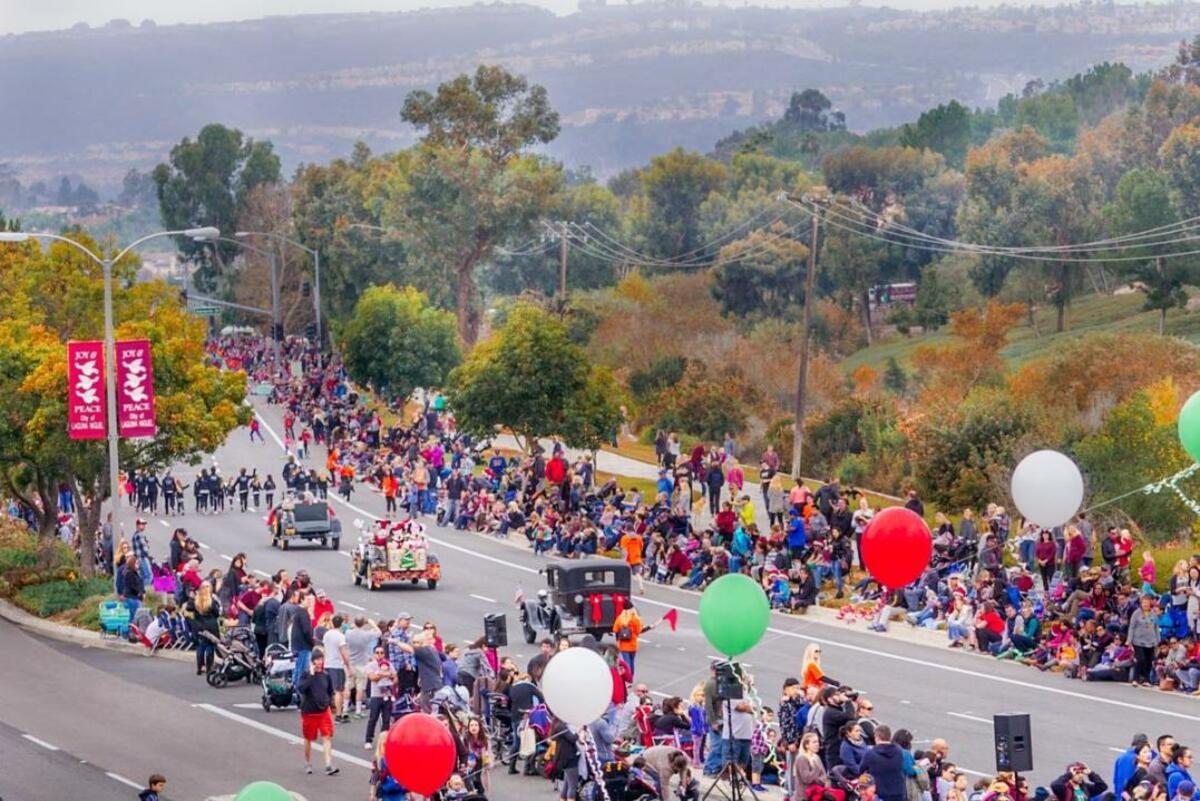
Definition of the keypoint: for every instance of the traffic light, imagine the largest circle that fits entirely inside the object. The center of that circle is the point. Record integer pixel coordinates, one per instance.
(278, 332)
(306, 289)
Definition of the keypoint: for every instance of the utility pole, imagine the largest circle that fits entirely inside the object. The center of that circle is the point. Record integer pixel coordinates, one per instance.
(806, 338)
(562, 259)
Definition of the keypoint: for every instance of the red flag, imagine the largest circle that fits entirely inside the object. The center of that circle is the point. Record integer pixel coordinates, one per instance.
(672, 617)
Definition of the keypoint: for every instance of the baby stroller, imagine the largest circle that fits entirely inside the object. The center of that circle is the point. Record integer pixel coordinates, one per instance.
(237, 658)
(277, 689)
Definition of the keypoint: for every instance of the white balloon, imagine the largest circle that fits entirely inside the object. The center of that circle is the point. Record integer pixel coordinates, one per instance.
(578, 685)
(1047, 488)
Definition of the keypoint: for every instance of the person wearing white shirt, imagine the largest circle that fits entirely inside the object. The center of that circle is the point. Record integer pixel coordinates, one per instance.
(337, 658)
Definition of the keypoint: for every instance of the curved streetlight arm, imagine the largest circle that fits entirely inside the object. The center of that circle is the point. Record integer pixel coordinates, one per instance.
(280, 237)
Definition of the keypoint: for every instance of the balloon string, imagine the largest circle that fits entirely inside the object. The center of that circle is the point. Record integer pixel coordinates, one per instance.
(589, 750)
(1155, 487)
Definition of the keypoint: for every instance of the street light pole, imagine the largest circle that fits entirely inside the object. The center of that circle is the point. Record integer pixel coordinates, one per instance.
(110, 347)
(276, 323)
(110, 392)
(805, 342)
(316, 255)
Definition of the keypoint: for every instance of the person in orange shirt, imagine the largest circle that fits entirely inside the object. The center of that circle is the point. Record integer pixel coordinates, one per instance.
(633, 546)
(627, 628)
(812, 675)
(389, 486)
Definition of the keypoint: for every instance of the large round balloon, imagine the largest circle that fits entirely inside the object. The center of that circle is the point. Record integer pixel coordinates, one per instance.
(1189, 426)
(1047, 488)
(263, 791)
(896, 547)
(420, 753)
(734, 613)
(577, 684)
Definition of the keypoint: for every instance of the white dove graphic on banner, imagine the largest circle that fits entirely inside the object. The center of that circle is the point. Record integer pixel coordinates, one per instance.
(135, 380)
(87, 381)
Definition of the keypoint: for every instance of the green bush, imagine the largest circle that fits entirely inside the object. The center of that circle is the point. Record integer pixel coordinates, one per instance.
(853, 469)
(16, 558)
(88, 616)
(55, 597)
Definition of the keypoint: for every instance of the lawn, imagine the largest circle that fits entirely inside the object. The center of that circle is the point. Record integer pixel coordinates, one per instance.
(1090, 313)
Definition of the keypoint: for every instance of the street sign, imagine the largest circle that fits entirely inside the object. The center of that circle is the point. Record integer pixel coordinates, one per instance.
(205, 311)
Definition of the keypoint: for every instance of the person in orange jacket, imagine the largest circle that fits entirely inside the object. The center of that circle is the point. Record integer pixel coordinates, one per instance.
(389, 486)
(628, 628)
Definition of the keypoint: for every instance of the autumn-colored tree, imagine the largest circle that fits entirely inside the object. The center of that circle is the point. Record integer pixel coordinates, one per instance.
(55, 295)
(1076, 385)
(949, 372)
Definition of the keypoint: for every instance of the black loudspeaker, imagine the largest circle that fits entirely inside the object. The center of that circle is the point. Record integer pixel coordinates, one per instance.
(1014, 743)
(729, 685)
(495, 630)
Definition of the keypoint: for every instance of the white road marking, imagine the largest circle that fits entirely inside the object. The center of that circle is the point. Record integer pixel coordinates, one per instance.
(262, 573)
(976, 772)
(353, 606)
(274, 732)
(117, 777)
(247, 706)
(483, 598)
(203, 545)
(930, 665)
(643, 639)
(42, 743)
(968, 717)
(905, 701)
(345, 553)
(660, 694)
(227, 556)
(1117, 750)
(165, 523)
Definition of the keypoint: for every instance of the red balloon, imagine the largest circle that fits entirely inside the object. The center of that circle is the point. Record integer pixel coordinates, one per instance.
(896, 547)
(420, 753)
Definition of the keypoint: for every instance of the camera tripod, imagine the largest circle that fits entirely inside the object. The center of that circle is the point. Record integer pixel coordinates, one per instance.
(739, 785)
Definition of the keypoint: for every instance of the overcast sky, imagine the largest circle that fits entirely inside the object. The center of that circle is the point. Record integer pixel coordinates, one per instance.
(17, 16)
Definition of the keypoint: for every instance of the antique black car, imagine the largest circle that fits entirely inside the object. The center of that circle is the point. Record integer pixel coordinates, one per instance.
(581, 597)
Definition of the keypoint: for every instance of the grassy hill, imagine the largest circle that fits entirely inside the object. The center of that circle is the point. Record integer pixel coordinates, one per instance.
(1088, 314)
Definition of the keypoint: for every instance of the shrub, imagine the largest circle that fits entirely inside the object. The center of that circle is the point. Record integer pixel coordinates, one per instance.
(16, 558)
(55, 597)
(853, 470)
(87, 616)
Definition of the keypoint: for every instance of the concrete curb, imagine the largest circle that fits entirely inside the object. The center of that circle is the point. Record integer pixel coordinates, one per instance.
(88, 639)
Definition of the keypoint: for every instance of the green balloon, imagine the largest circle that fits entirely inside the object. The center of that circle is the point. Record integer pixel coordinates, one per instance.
(1189, 426)
(734, 613)
(263, 791)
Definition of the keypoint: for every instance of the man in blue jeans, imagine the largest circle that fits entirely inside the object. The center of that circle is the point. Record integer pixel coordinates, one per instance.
(736, 732)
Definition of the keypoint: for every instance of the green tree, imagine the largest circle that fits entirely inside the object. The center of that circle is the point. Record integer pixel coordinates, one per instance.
(674, 186)
(935, 301)
(1143, 202)
(945, 129)
(331, 204)
(761, 275)
(472, 183)
(206, 183)
(51, 296)
(1053, 115)
(811, 110)
(530, 378)
(1131, 449)
(395, 341)
(894, 377)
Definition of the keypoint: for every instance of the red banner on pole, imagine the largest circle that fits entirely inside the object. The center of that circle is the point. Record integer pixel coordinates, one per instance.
(85, 391)
(135, 389)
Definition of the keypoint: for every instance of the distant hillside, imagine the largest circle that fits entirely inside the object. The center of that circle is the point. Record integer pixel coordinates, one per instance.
(630, 81)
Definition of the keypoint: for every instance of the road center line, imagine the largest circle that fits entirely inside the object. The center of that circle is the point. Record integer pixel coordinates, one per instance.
(483, 598)
(353, 606)
(822, 640)
(283, 735)
(165, 523)
(117, 777)
(262, 573)
(42, 743)
(968, 717)
(204, 545)
(227, 556)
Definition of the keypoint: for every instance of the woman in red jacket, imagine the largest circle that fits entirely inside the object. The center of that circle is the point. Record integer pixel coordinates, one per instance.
(989, 627)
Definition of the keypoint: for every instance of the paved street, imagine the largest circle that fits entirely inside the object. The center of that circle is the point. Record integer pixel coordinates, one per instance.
(131, 716)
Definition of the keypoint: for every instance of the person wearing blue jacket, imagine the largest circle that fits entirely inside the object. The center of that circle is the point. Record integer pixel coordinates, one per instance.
(854, 747)
(797, 540)
(1126, 763)
(1180, 770)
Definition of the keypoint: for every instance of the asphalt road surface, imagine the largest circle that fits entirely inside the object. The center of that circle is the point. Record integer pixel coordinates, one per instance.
(129, 716)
